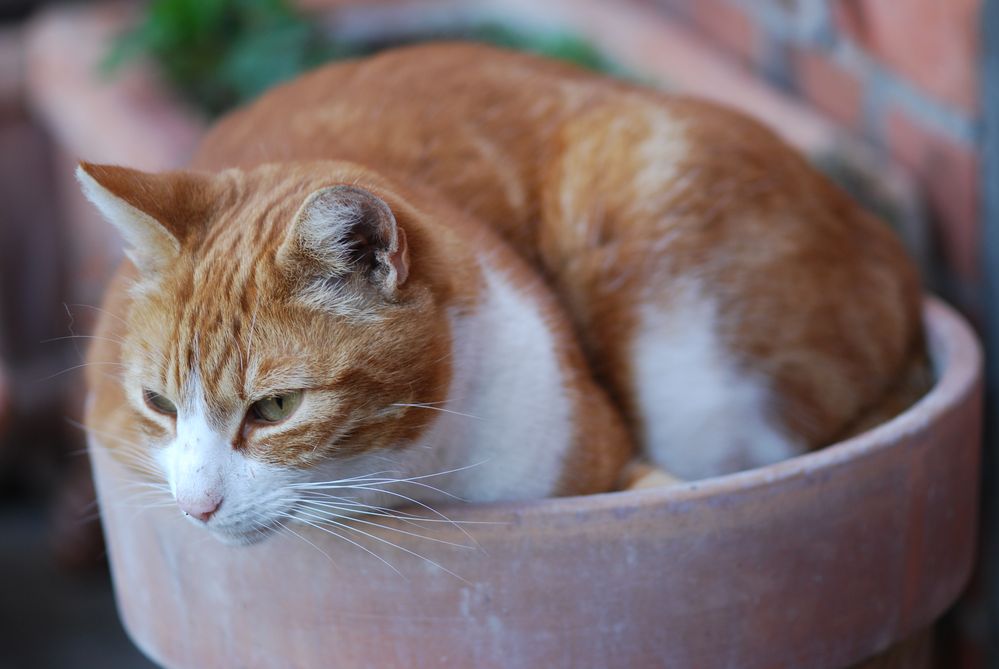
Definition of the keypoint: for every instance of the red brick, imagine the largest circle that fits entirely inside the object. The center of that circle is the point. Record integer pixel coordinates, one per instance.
(830, 87)
(646, 40)
(948, 173)
(932, 43)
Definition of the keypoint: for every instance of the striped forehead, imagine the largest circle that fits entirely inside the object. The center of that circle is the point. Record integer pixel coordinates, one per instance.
(217, 300)
(215, 314)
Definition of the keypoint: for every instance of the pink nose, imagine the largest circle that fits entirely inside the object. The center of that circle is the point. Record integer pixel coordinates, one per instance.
(202, 509)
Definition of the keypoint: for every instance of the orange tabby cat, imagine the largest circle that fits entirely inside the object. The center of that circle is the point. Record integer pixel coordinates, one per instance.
(453, 258)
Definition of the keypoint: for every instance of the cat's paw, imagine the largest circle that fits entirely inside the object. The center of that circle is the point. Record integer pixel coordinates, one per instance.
(639, 475)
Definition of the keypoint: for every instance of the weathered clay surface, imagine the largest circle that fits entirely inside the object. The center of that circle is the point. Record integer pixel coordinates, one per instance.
(819, 561)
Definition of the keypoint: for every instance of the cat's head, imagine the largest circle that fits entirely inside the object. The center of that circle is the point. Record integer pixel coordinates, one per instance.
(283, 323)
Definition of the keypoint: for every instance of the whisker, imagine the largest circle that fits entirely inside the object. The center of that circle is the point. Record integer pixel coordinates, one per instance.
(89, 518)
(433, 408)
(139, 455)
(285, 528)
(102, 433)
(80, 366)
(354, 502)
(389, 527)
(398, 514)
(73, 335)
(69, 326)
(97, 309)
(145, 486)
(350, 541)
(361, 477)
(135, 502)
(79, 336)
(431, 510)
(396, 546)
(371, 478)
(367, 509)
(85, 428)
(372, 486)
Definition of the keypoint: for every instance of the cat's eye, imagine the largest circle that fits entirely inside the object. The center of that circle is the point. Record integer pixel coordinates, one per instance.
(276, 408)
(158, 403)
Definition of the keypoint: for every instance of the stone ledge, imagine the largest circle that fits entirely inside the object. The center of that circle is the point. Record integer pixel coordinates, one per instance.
(129, 118)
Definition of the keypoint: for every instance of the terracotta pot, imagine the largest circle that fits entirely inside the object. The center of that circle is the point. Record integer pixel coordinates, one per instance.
(819, 561)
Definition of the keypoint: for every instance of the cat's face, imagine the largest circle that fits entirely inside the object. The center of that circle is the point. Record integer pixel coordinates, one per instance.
(277, 336)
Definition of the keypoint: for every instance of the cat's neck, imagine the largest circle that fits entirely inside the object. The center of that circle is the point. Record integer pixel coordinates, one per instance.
(522, 416)
(509, 414)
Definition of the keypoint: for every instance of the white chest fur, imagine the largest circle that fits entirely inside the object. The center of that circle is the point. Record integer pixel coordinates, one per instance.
(508, 418)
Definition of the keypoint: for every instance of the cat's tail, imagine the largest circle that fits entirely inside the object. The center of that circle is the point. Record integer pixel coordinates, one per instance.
(915, 381)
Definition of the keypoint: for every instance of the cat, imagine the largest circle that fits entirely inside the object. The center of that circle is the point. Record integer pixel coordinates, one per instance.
(485, 266)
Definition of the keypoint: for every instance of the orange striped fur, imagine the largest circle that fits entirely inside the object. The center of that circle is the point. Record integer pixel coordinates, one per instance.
(703, 295)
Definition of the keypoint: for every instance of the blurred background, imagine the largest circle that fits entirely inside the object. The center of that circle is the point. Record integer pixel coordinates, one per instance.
(894, 100)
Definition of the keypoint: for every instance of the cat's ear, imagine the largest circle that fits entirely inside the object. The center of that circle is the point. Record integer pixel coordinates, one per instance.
(153, 212)
(345, 232)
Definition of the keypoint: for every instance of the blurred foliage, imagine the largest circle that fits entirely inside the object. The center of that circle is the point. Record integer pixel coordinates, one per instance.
(559, 45)
(220, 53)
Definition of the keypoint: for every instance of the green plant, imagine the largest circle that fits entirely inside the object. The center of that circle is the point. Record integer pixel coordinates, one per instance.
(220, 53)
(553, 44)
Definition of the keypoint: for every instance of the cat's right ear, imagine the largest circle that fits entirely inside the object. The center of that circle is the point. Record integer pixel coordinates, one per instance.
(153, 212)
(350, 234)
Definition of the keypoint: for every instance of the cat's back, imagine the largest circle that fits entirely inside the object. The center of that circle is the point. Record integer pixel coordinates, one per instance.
(478, 123)
(720, 285)
(501, 133)
(406, 96)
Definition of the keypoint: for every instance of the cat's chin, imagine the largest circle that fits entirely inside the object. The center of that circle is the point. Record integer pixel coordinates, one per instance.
(240, 539)
(236, 538)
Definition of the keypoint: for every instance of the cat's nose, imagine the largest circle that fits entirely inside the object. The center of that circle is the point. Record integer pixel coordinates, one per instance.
(202, 509)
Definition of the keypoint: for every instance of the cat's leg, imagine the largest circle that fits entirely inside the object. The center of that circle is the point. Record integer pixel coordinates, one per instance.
(700, 412)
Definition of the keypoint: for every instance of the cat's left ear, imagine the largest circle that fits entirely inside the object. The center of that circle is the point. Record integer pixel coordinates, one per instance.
(153, 212)
(351, 234)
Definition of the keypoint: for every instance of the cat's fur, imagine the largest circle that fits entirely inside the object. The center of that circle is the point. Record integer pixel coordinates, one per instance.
(571, 268)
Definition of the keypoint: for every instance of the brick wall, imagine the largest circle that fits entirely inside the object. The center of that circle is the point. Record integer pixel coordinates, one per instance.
(901, 74)
(904, 76)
